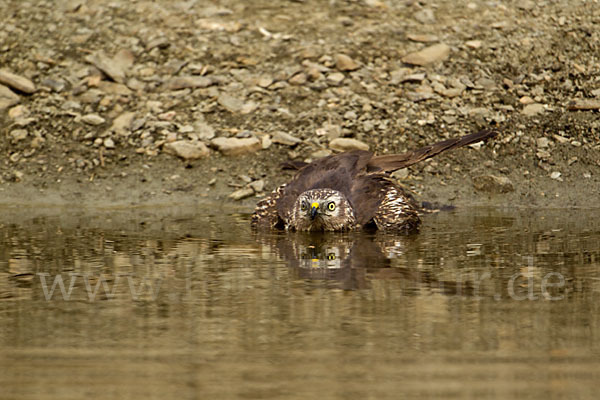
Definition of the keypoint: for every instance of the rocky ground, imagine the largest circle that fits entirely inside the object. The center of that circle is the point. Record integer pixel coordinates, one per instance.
(113, 102)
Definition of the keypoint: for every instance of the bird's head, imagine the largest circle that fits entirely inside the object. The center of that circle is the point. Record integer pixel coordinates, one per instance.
(322, 210)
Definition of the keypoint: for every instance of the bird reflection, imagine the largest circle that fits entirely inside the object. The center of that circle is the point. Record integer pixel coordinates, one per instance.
(345, 258)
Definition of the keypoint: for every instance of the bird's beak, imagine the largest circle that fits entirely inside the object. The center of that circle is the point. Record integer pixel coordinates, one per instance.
(314, 208)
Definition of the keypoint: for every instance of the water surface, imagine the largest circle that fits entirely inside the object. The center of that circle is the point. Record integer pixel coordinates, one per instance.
(171, 303)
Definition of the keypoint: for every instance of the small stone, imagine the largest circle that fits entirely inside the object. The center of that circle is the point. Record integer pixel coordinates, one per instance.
(235, 105)
(320, 154)
(533, 109)
(473, 44)
(331, 131)
(429, 55)
(203, 130)
(542, 142)
(57, 85)
(266, 142)
(418, 96)
(560, 139)
(400, 174)
(285, 138)
(18, 135)
(493, 184)
(18, 112)
(298, 79)
(122, 124)
(93, 119)
(264, 81)
(7, 98)
(258, 185)
(17, 82)
(109, 143)
(425, 16)
(347, 144)
(556, 176)
(425, 38)
(115, 68)
(350, 115)
(242, 193)
(451, 93)
(345, 63)
(236, 146)
(525, 100)
(584, 104)
(186, 149)
(335, 78)
(185, 82)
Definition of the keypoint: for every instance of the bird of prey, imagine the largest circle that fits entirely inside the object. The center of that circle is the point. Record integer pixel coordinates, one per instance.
(350, 191)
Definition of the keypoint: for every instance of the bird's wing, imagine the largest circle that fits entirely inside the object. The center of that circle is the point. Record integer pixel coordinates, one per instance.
(394, 162)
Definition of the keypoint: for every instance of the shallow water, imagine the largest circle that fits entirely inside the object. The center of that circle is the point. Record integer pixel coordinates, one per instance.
(168, 303)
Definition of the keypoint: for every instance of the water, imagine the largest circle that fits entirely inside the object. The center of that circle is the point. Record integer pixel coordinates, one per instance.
(170, 303)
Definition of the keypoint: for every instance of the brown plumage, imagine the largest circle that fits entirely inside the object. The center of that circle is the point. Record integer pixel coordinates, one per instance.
(350, 190)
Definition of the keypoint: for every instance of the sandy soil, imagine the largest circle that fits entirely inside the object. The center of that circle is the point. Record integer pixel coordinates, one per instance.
(94, 131)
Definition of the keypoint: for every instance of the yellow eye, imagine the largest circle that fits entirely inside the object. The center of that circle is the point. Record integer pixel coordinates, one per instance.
(331, 256)
(331, 206)
(303, 206)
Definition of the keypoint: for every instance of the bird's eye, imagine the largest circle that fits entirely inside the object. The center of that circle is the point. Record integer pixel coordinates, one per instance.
(303, 206)
(331, 206)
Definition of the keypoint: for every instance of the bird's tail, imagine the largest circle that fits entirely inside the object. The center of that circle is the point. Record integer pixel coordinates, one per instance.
(393, 162)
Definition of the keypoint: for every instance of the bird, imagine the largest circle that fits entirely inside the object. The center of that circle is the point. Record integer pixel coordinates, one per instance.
(351, 191)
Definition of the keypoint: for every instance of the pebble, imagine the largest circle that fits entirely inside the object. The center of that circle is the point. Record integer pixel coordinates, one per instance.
(350, 115)
(93, 119)
(298, 79)
(285, 138)
(525, 100)
(584, 104)
(203, 130)
(429, 55)
(560, 139)
(7, 98)
(18, 112)
(18, 134)
(235, 105)
(109, 143)
(473, 44)
(242, 193)
(347, 144)
(17, 82)
(115, 68)
(422, 38)
(425, 16)
(542, 142)
(556, 176)
(533, 109)
(320, 154)
(57, 85)
(122, 124)
(236, 146)
(186, 149)
(266, 142)
(345, 63)
(331, 131)
(185, 82)
(493, 184)
(335, 78)
(258, 185)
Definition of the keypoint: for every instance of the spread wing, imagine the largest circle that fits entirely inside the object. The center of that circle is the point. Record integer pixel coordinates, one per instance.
(394, 162)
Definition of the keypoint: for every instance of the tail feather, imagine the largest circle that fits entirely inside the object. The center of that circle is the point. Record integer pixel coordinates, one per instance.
(394, 162)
